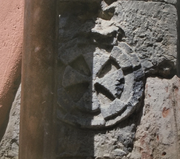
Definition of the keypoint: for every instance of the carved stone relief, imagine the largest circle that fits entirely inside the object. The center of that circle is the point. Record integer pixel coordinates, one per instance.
(99, 85)
(105, 51)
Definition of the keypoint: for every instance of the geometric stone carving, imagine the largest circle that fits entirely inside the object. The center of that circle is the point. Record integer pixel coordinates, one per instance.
(105, 50)
(101, 80)
(106, 97)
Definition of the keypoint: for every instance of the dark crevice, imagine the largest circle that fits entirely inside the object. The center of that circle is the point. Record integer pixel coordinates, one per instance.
(127, 70)
(164, 70)
(104, 91)
(121, 34)
(160, 73)
(109, 1)
(160, 76)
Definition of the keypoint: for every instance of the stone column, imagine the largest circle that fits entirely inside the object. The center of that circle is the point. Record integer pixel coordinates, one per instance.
(36, 123)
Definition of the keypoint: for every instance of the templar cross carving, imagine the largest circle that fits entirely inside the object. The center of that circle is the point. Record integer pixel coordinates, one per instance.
(101, 81)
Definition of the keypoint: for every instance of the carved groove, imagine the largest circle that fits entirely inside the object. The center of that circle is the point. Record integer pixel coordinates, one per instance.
(107, 67)
(104, 91)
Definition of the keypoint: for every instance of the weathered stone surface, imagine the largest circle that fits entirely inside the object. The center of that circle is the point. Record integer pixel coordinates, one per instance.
(178, 55)
(9, 145)
(137, 37)
(106, 75)
(120, 43)
(111, 81)
(77, 143)
(158, 135)
(167, 1)
(150, 27)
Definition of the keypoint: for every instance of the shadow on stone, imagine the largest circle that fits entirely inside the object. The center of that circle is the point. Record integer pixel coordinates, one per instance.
(100, 84)
(178, 45)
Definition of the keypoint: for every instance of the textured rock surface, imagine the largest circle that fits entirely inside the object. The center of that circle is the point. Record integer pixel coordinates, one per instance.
(77, 143)
(167, 1)
(158, 135)
(150, 27)
(11, 38)
(9, 145)
(105, 51)
(108, 48)
(178, 57)
(103, 68)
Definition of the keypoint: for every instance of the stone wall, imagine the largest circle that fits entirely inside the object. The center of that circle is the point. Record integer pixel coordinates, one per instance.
(178, 57)
(107, 52)
(158, 134)
(10, 141)
(117, 93)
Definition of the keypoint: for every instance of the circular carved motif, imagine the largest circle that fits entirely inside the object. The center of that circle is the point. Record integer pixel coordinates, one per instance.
(99, 89)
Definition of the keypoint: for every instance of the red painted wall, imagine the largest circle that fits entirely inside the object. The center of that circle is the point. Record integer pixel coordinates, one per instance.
(11, 38)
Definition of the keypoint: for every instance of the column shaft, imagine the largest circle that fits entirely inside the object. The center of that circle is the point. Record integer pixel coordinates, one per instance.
(38, 80)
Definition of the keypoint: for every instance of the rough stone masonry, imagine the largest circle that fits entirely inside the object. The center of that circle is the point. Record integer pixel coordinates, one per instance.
(118, 93)
(106, 51)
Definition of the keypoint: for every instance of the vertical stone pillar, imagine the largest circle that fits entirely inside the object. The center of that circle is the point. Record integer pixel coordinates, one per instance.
(36, 123)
